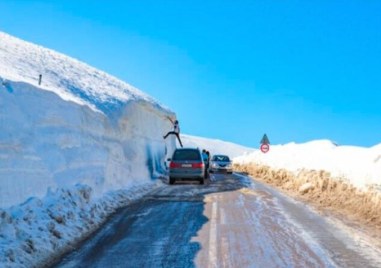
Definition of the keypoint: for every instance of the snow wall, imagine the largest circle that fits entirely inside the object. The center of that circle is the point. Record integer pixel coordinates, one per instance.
(47, 142)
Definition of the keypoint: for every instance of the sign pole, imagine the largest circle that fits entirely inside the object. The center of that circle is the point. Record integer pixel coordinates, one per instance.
(265, 144)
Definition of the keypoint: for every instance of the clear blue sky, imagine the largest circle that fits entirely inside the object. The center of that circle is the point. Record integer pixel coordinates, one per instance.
(232, 70)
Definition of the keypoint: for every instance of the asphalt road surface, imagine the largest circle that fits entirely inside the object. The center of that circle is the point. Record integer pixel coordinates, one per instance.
(231, 221)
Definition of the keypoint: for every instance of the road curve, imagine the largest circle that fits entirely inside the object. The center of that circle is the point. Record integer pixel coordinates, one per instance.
(231, 221)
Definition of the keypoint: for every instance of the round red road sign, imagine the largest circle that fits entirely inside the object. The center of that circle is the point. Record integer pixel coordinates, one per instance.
(265, 147)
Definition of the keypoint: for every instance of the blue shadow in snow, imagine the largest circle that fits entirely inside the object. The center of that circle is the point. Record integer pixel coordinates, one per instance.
(7, 86)
(106, 106)
(154, 161)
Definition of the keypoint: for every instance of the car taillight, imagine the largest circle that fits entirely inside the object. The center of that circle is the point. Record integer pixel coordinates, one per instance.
(174, 165)
(198, 165)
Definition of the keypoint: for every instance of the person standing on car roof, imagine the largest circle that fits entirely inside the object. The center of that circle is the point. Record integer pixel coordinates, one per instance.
(176, 130)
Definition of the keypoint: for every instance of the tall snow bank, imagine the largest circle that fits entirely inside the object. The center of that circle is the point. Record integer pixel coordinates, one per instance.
(73, 149)
(360, 166)
(47, 142)
(79, 126)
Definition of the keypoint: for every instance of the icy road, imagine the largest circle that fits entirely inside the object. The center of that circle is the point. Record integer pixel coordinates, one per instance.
(231, 221)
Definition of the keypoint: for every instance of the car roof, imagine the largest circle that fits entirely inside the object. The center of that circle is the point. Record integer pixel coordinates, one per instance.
(187, 148)
(221, 155)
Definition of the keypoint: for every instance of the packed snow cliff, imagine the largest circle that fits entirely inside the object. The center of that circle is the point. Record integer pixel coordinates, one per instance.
(79, 125)
(75, 144)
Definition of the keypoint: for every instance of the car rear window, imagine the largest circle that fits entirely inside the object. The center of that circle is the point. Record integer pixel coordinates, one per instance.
(222, 158)
(193, 155)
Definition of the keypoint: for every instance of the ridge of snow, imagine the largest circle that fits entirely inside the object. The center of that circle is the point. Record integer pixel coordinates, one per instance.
(71, 79)
(360, 165)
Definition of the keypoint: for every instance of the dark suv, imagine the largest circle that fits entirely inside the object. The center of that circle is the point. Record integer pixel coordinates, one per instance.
(186, 164)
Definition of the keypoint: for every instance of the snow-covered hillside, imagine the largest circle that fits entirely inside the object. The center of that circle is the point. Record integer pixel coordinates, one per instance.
(215, 146)
(361, 166)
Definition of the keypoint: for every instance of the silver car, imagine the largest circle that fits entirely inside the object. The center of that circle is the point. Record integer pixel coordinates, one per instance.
(220, 163)
(186, 164)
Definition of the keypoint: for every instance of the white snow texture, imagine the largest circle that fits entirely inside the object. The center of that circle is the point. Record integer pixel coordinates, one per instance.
(358, 165)
(108, 135)
(72, 149)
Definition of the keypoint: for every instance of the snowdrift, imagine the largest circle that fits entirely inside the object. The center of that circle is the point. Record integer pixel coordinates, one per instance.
(73, 149)
(38, 231)
(360, 166)
(324, 191)
(344, 179)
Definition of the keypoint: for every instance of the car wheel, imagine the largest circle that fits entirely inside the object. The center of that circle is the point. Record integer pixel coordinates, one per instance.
(201, 180)
(171, 180)
(230, 172)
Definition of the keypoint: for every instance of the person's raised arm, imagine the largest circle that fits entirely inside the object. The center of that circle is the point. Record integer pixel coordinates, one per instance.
(170, 119)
